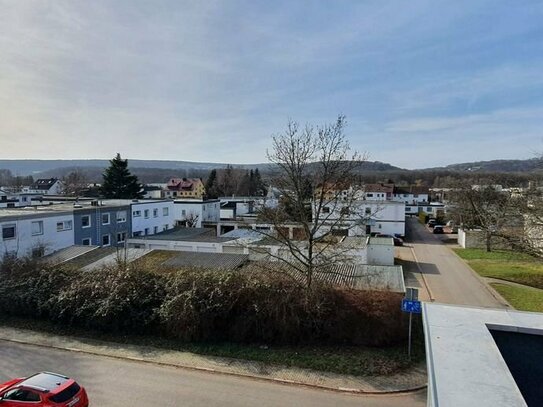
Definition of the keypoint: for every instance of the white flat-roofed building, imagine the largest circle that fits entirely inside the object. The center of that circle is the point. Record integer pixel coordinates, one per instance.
(193, 212)
(150, 217)
(35, 231)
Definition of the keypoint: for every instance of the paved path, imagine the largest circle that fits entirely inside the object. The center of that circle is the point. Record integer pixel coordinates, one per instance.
(441, 275)
(410, 379)
(120, 383)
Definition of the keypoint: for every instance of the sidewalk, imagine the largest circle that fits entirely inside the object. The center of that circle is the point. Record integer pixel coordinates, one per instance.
(411, 380)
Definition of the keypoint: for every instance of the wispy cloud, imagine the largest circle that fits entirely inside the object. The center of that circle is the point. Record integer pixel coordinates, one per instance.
(211, 81)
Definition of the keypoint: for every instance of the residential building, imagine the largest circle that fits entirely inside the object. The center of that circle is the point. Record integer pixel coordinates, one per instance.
(195, 212)
(35, 231)
(103, 223)
(150, 217)
(46, 186)
(184, 188)
(411, 195)
(152, 192)
(378, 192)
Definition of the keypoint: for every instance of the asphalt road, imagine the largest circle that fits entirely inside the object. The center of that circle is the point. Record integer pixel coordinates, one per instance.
(448, 278)
(119, 383)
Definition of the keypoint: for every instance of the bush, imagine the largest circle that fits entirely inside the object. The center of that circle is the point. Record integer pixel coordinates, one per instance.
(200, 305)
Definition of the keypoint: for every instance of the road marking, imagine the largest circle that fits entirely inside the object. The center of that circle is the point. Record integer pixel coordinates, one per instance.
(432, 298)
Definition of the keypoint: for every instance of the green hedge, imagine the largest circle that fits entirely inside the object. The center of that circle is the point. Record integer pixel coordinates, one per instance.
(200, 305)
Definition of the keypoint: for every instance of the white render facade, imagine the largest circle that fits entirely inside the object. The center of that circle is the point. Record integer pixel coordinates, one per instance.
(151, 217)
(196, 210)
(35, 232)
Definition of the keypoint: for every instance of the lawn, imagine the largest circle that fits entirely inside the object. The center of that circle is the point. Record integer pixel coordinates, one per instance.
(506, 265)
(358, 361)
(523, 299)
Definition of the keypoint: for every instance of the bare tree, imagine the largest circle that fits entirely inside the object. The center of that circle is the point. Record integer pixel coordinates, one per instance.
(318, 196)
(75, 183)
(489, 208)
(191, 220)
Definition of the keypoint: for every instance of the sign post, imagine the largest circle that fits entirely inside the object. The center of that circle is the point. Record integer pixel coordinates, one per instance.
(411, 304)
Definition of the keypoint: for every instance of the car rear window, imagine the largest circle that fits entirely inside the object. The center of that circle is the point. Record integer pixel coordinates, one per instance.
(65, 394)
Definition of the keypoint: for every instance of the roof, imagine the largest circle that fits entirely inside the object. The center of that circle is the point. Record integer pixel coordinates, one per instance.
(44, 183)
(382, 241)
(207, 260)
(68, 253)
(468, 364)
(365, 277)
(34, 212)
(412, 189)
(186, 235)
(183, 184)
(388, 188)
(45, 381)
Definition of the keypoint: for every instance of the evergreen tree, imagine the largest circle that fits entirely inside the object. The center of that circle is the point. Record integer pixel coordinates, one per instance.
(259, 187)
(212, 184)
(118, 182)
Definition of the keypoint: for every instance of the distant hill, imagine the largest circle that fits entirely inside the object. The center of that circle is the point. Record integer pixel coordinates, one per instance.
(58, 168)
(532, 164)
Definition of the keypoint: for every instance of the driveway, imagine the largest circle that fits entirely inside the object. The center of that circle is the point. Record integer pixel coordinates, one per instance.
(439, 273)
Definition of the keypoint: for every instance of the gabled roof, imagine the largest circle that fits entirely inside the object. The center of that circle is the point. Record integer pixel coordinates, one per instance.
(44, 184)
(183, 184)
(388, 188)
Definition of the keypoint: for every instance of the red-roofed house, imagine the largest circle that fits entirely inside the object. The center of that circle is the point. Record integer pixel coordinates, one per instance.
(184, 188)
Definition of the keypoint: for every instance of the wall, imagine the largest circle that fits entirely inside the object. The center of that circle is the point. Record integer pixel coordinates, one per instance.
(475, 239)
(380, 254)
(161, 222)
(97, 228)
(51, 239)
(207, 211)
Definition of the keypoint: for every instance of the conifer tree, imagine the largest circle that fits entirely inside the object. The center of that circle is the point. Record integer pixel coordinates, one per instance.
(119, 183)
(211, 184)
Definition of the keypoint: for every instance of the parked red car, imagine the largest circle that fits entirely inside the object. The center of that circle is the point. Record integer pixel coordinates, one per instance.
(43, 390)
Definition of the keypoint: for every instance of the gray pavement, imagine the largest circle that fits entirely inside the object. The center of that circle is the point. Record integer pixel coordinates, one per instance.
(440, 274)
(120, 383)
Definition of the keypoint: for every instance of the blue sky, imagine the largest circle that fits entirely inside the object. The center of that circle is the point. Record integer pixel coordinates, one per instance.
(422, 83)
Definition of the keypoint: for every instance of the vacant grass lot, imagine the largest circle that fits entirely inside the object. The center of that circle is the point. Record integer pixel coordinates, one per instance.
(505, 265)
(353, 360)
(523, 299)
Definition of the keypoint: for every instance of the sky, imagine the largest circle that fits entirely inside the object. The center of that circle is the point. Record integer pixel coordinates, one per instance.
(422, 83)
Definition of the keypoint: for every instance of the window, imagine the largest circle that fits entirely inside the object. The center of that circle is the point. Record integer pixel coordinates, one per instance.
(8, 232)
(183, 213)
(105, 240)
(155, 213)
(369, 195)
(64, 225)
(37, 228)
(146, 231)
(165, 211)
(86, 242)
(121, 216)
(146, 213)
(105, 219)
(21, 395)
(155, 229)
(165, 227)
(85, 221)
(121, 237)
(368, 211)
(325, 209)
(136, 214)
(380, 226)
(136, 234)
(429, 209)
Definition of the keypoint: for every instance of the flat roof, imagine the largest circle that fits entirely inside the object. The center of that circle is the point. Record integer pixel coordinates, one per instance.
(186, 235)
(466, 366)
(382, 241)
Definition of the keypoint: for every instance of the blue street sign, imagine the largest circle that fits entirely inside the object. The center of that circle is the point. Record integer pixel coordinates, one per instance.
(411, 306)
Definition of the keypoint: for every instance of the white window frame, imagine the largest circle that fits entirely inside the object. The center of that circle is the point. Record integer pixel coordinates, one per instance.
(136, 214)
(123, 215)
(40, 225)
(146, 213)
(87, 239)
(108, 218)
(108, 240)
(66, 225)
(123, 236)
(165, 211)
(155, 213)
(90, 222)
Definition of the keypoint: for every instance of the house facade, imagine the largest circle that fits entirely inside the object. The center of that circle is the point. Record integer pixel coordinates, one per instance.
(184, 188)
(46, 186)
(102, 225)
(35, 232)
(194, 212)
(150, 217)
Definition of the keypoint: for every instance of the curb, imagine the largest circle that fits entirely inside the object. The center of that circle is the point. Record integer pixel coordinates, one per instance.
(214, 371)
(492, 291)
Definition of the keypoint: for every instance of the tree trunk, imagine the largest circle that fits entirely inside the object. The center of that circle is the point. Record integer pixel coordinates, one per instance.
(488, 242)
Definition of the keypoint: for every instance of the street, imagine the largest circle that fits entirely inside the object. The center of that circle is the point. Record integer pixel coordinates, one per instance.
(447, 277)
(114, 382)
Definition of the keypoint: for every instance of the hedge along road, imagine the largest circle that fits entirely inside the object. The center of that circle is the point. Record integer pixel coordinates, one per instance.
(117, 383)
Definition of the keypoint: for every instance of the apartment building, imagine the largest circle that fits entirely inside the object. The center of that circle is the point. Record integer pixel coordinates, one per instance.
(151, 216)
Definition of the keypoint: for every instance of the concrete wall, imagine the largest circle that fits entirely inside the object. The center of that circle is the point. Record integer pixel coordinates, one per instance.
(159, 217)
(380, 254)
(115, 228)
(206, 211)
(475, 239)
(51, 238)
